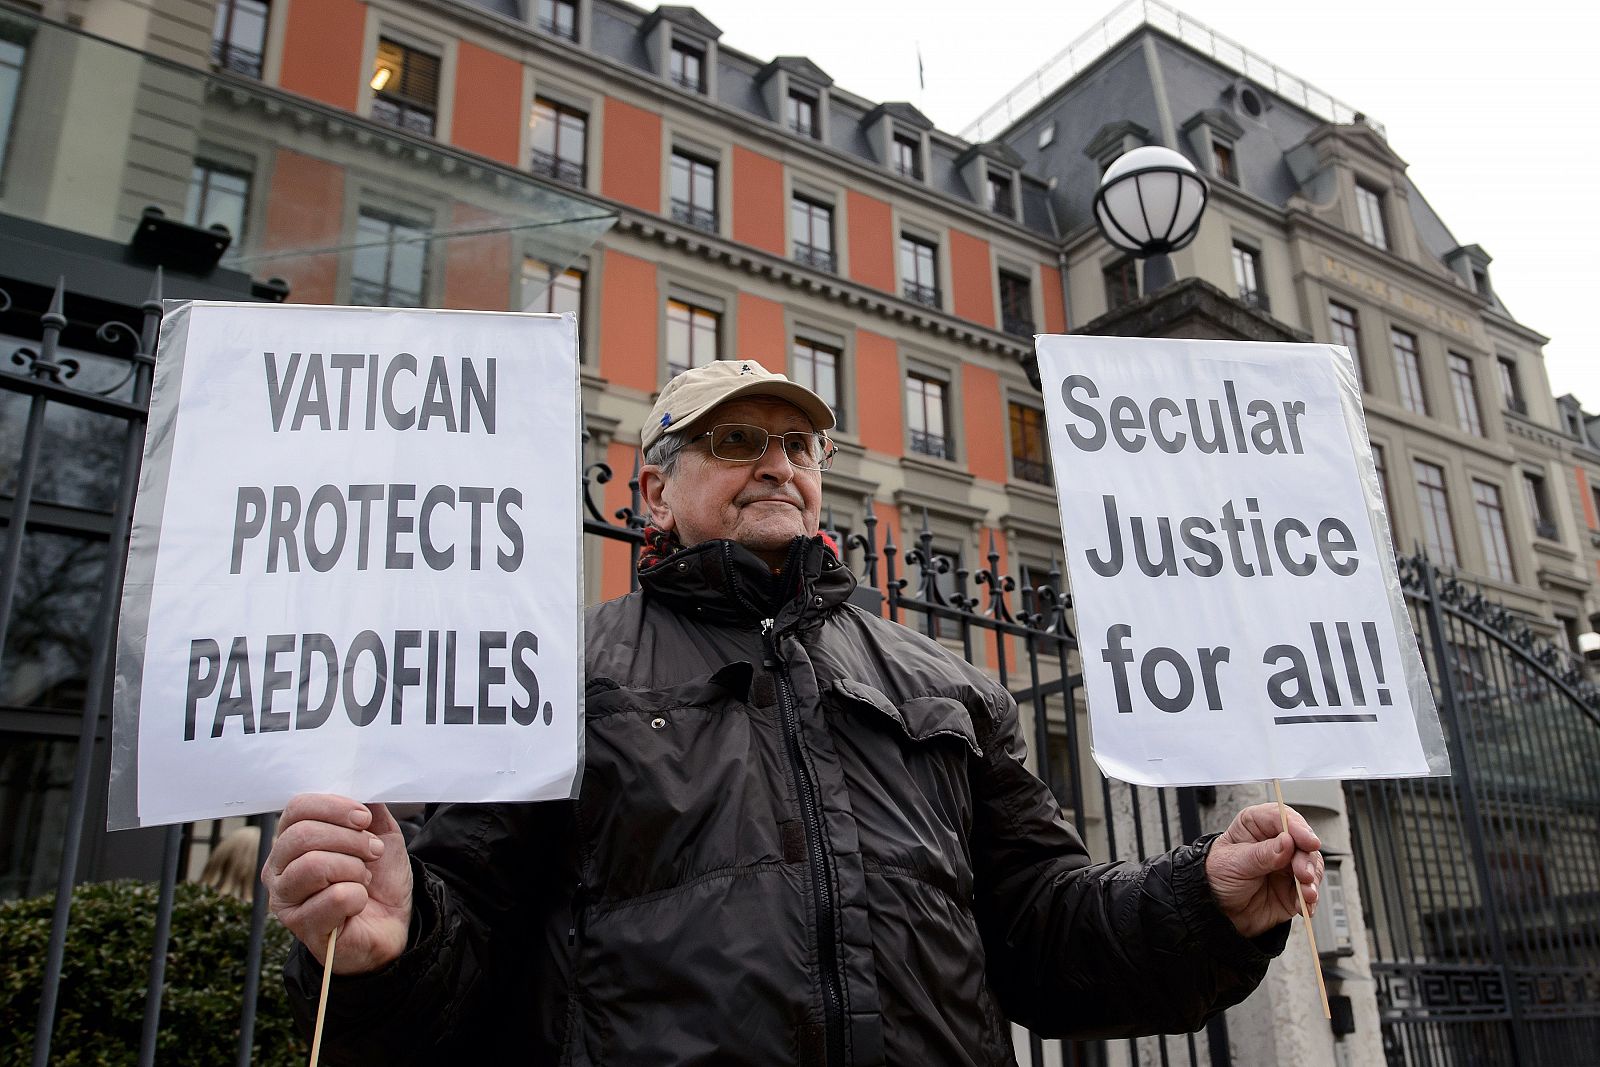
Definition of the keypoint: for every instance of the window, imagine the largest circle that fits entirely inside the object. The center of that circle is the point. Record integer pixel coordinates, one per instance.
(692, 336)
(1381, 464)
(925, 399)
(1465, 391)
(239, 36)
(816, 366)
(811, 224)
(1369, 209)
(1016, 304)
(1247, 276)
(559, 17)
(1408, 369)
(1122, 283)
(559, 135)
(1222, 161)
(1346, 331)
(218, 195)
(919, 270)
(12, 56)
(688, 67)
(1492, 528)
(405, 87)
(1030, 449)
(1438, 536)
(390, 263)
(906, 156)
(694, 192)
(1001, 200)
(1539, 506)
(803, 115)
(543, 290)
(1511, 385)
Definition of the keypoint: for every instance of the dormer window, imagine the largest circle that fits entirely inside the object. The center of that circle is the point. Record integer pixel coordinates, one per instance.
(1369, 211)
(559, 17)
(906, 156)
(1002, 198)
(1222, 164)
(688, 67)
(802, 115)
(1480, 282)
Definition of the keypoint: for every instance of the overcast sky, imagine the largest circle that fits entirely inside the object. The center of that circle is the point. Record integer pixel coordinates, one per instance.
(1494, 109)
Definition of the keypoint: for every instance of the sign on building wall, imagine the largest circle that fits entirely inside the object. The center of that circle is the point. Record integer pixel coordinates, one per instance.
(355, 563)
(1239, 614)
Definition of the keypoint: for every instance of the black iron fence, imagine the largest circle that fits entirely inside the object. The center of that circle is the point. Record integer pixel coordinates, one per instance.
(1481, 892)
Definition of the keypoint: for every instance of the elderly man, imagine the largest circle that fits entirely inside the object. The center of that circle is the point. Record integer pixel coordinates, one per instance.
(806, 835)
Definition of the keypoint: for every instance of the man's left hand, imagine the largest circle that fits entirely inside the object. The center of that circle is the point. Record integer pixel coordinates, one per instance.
(1249, 865)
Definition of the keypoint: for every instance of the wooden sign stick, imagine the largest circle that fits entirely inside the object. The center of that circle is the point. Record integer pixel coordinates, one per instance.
(327, 978)
(1299, 891)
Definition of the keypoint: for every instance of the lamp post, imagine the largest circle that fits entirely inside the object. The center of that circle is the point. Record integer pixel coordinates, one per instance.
(1150, 203)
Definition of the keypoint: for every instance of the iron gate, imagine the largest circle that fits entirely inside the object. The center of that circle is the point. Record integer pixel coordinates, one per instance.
(1482, 890)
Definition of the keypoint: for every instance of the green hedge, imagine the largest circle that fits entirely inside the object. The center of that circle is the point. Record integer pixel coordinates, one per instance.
(100, 1011)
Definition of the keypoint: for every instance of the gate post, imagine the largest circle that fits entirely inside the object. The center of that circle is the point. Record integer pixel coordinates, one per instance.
(1461, 771)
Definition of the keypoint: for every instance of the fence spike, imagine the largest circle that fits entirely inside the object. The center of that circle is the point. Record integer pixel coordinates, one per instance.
(56, 316)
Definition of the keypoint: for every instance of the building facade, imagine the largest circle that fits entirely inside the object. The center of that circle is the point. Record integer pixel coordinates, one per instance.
(691, 202)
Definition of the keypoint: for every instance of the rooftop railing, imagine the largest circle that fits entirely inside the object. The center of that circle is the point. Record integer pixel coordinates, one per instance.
(1101, 37)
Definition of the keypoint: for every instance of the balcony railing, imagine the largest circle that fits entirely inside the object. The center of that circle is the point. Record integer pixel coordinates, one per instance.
(692, 215)
(817, 258)
(689, 82)
(930, 444)
(804, 129)
(562, 170)
(1517, 404)
(922, 294)
(406, 116)
(1030, 470)
(1545, 529)
(1017, 326)
(238, 60)
(1253, 298)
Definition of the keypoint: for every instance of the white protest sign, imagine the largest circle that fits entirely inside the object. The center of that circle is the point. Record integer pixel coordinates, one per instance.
(1238, 610)
(355, 563)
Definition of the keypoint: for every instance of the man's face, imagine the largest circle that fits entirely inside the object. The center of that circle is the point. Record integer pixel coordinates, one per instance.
(762, 505)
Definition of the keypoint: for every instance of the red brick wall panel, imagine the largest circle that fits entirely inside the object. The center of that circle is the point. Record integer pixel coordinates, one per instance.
(630, 165)
(476, 266)
(972, 278)
(880, 393)
(487, 118)
(758, 209)
(629, 308)
(305, 203)
(871, 241)
(761, 333)
(1055, 307)
(983, 412)
(322, 44)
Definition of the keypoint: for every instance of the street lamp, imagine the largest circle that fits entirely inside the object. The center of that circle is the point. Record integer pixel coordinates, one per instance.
(1150, 203)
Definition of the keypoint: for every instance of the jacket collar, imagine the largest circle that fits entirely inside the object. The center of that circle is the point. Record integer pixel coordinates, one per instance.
(724, 582)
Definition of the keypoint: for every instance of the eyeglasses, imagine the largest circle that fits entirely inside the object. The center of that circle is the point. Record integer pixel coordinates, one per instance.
(737, 442)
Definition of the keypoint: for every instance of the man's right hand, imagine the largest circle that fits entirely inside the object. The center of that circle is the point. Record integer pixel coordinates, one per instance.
(340, 864)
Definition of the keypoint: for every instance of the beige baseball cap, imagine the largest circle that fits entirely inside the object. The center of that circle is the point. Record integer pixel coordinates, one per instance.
(698, 390)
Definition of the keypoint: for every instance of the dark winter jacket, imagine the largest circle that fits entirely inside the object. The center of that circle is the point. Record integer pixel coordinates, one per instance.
(805, 836)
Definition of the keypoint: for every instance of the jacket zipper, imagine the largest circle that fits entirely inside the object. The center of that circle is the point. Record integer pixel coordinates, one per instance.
(821, 886)
(810, 814)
